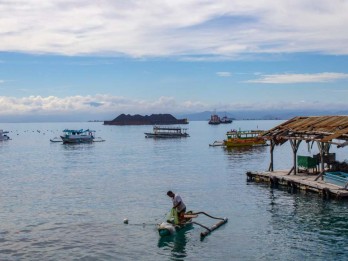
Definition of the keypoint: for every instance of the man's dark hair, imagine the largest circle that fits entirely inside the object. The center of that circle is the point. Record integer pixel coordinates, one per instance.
(170, 193)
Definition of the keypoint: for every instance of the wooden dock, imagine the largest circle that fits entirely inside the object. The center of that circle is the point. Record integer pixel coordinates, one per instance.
(301, 181)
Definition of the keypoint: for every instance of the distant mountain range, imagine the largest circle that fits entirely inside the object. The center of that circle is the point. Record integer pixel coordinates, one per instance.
(199, 116)
(259, 115)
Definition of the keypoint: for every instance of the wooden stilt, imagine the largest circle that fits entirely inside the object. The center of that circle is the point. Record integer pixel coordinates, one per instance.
(271, 151)
(295, 144)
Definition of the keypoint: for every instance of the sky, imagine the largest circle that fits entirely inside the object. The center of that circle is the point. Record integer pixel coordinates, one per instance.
(83, 59)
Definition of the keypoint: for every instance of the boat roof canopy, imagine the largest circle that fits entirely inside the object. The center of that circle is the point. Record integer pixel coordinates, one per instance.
(168, 128)
(311, 128)
(78, 131)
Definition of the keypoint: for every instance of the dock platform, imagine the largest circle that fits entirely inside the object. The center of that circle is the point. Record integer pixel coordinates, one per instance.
(301, 181)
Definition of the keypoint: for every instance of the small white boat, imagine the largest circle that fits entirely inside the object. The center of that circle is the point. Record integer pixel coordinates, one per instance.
(3, 135)
(78, 136)
(217, 143)
(56, 139)
(98, 139)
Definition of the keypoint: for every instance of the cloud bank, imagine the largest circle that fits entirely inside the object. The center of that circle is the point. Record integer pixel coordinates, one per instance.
(98, 104)
(300, 78)
(106, 107)
(174, 28)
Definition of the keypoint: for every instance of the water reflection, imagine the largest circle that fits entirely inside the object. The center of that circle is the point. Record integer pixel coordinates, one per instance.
(77, 146)
(247, 150)
(310, 219)
(176, 243)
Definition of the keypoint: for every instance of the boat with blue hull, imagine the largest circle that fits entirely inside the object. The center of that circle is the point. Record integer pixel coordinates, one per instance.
(3, 135)
(78, 136)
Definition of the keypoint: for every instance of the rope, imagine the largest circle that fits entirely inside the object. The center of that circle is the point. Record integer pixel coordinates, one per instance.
(197, 213)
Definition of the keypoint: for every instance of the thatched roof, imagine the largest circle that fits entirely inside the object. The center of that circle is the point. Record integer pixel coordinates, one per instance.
(328, 129)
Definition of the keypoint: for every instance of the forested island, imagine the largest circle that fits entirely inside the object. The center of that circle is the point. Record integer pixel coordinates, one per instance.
(153, 119)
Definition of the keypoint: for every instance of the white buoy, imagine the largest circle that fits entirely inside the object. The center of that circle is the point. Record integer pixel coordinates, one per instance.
(125, 221)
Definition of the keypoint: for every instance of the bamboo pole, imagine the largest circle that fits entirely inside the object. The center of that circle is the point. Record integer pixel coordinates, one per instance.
(211, 229)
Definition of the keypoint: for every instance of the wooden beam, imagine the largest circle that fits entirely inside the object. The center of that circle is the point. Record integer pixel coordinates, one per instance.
(335, 135)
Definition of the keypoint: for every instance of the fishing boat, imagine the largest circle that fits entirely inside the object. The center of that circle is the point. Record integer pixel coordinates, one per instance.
(225, 120)
(3, 135)
(238, 138)
(78, 136)
(172, 224)
(214, 119)
(167, 132)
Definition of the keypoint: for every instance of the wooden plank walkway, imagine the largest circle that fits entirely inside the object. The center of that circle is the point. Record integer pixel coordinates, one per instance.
(301, 181)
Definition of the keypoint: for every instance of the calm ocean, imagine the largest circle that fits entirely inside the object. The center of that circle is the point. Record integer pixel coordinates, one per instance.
(68, 202)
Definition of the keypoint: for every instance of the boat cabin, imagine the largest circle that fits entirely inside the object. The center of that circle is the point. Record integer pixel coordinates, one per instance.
(234, 134)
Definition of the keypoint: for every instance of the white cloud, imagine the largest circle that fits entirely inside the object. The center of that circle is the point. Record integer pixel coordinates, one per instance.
(84, 107)
(194, 28)
(224, 74)
(98, 104)
(300, 78)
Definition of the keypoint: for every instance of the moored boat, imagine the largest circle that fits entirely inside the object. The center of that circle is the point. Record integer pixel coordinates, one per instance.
(78, 136)
(3, 135)
(217, 143)
(167, 132)
(240, 138)
(225, 120)
(214, 119)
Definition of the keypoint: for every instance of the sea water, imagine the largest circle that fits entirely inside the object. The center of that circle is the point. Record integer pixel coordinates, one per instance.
(68, 202)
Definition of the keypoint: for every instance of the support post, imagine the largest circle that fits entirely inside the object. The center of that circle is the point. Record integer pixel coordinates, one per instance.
(295, 144)
(271, 151)
(323, 150)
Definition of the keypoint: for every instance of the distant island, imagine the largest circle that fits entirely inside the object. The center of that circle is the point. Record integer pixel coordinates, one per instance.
(153, 119)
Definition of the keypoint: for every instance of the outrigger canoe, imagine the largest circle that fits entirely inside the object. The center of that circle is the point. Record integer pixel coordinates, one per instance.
(172, 224)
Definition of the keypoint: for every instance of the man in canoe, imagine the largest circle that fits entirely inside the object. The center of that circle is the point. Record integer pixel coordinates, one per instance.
(178, 204)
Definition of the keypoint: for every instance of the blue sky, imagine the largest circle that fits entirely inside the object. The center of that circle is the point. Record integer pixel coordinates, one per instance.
(103, 58)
